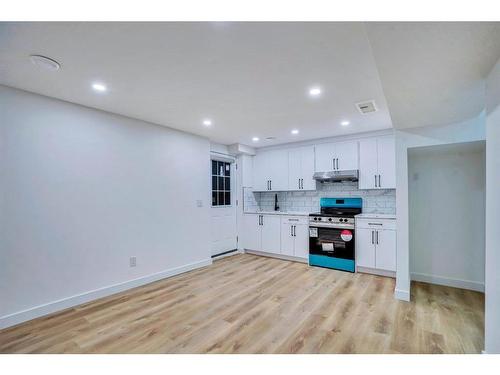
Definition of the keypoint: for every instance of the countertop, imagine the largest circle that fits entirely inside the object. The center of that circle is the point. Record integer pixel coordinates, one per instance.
(287, 213)
(375, 216)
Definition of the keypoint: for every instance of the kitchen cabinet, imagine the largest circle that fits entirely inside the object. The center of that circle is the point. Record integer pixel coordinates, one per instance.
(271, 171)
(338, 156)
(301, 168)
(262, 233)
(376, 244)
(271, 239)
(377, 163)
(295, 236)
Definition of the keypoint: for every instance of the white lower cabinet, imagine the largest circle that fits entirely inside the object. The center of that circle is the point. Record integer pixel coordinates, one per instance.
(376, 244)
(295, 237)
(276, 234)
(271, 241)
(262, 233)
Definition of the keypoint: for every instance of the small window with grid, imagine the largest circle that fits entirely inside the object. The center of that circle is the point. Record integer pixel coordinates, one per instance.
(221, 183)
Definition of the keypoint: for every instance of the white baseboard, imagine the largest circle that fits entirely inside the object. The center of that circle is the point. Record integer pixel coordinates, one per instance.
(278, 256)
(51, 307)
(236, 252)
(374, 271)
(403, 295)
(446, 281)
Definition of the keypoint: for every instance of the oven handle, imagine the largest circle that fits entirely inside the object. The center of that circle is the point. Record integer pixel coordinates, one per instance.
(331, 227)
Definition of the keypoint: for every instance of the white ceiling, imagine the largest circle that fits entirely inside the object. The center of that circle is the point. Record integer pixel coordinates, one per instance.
(433, 73)
(251, 79)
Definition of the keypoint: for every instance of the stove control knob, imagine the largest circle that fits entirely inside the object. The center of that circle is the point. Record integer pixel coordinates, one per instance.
(315, 218)
(319, 218)
(330, 219)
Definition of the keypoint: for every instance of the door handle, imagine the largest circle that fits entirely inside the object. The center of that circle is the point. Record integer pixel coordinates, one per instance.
(373, 243)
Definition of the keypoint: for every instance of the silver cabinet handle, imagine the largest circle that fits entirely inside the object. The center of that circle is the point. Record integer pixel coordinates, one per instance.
(294, 228)
(376, 236)
(375, 180)
(333, 162)
(291, 230)
(271, 185)
(302, 183)
(372, 239)
(337, 163)
(262, 218)
(379, 181)
(375, 224)
(299, 182)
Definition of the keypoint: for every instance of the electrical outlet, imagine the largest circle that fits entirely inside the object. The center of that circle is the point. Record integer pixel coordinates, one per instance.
(133, 261)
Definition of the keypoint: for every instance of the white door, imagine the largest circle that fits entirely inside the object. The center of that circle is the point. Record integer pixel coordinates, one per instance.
(365, 248)
(251, 235)
(301, 241)
(347, 155)
(325, 155)
(261, 172)
(307, 168)
(271, 234)
(294, 169)
(287, 239)
(386, 162)
(386, 250)
(367, 163)
(223, 211)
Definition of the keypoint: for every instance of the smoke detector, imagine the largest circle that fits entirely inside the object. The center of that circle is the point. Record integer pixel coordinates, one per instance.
(366, 107)
(44, 62)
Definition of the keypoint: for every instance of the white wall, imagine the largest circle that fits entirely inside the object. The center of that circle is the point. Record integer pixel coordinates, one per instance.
(467, 131)
(82, 191)
(492, 279)
(447, 212)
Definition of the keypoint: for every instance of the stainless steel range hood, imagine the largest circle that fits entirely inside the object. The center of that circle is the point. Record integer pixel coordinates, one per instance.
(336, 176)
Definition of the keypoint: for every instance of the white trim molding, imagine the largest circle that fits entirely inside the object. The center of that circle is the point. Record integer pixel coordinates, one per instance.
(447, 281)
(65, 303)
(403, 295)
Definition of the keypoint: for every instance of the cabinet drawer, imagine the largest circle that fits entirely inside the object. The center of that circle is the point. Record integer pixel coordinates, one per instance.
(388, 224)
(295, 219)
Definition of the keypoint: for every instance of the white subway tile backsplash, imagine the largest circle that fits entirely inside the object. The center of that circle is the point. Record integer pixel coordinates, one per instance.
(374, 201)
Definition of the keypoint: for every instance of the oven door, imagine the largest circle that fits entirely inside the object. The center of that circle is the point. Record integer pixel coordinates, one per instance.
(331, 242)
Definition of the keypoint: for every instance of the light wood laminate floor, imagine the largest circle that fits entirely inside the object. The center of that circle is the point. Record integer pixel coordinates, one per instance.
(251, 304)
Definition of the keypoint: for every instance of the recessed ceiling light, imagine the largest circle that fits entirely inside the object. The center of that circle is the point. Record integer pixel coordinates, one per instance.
(45, 62)
(295, 131)
(345, 123)
(207, 122)
(255, 139)
(100, 87)
(315, 91)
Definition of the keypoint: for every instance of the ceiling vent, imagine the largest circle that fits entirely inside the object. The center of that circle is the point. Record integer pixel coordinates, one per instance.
(367, 107)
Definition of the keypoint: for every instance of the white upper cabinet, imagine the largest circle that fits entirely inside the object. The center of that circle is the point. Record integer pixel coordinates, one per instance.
(325, 157)
(339, 156)
(301, 168)
(377, 163)
(270, 171)
(347, 156)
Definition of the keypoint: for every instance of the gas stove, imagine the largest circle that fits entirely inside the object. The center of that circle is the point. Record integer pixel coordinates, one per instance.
(332, 234)
(336, 213)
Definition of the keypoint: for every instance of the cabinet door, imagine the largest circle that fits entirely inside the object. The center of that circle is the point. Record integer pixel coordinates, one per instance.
(385, 257)
(271, 234)
(325, 153)
(386, 162)
(260, 172)
(294, 169)
(365, 248)
(251, 232)
(287, 239)
(347, 155)
(307, 168)
(301, 241)
(277, 162)
(367, 163)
